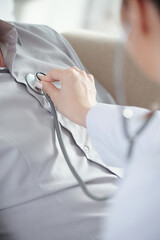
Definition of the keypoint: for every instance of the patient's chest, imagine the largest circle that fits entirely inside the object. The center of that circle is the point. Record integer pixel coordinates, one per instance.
(39, 165)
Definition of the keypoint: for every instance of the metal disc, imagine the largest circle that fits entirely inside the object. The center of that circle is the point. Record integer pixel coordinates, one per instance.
(31, 81)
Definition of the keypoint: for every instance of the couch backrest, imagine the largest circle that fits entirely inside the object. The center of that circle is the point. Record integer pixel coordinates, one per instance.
(97, 53)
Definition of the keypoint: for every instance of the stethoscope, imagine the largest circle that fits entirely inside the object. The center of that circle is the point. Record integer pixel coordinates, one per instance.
(126, 114)
(31, 80)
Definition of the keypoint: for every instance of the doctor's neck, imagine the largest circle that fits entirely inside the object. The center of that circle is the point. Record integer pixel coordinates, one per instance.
(2, 63)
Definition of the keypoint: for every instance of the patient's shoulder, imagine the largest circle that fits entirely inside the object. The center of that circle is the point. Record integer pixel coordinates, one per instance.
(42, 31)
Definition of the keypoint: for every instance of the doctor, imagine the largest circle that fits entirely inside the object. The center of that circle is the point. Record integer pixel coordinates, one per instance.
(136, 214)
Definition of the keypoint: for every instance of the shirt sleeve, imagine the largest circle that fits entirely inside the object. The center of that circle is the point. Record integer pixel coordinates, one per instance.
(136, 213)
(106, 128)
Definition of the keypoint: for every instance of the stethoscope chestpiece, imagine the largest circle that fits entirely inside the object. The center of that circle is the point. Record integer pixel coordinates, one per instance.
(31, 80)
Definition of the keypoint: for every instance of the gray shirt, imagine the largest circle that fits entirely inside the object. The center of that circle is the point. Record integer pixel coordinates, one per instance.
(39, 197)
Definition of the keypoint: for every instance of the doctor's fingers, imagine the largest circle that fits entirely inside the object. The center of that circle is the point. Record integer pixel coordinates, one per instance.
(60, 75)
(79, 70)
(50, 89)
(54, 75)
(82, 72)
(75, 68)
(91, 77)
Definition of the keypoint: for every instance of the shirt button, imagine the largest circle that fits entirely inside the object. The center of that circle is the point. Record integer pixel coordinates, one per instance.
(86, 149)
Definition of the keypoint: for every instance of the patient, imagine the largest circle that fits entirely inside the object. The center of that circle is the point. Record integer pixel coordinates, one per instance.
(39, 197)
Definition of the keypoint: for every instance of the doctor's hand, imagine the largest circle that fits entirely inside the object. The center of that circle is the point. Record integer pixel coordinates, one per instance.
(76, 96)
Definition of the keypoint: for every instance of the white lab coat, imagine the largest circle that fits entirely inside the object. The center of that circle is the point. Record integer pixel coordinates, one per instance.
(136, 213)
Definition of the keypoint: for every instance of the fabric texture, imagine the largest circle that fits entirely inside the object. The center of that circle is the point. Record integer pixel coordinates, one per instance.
(40, 199)
(136, 212)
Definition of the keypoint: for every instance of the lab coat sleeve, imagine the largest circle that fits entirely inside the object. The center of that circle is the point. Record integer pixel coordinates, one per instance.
(104, 125)
(106, 129)
(136, 213)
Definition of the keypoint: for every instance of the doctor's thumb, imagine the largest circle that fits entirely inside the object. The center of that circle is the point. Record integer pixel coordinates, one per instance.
(49, 89)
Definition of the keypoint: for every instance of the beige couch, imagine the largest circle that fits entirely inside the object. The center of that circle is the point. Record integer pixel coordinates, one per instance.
(96, 52)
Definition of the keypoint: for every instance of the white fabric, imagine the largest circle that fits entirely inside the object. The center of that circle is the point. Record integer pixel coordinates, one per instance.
(136, 214)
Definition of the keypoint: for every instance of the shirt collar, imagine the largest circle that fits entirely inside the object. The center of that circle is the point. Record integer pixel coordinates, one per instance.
(8, 33)
(9, 39)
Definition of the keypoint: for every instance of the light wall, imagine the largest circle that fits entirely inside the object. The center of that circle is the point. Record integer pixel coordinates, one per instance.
(7, 10)
(64, 15)
(104, 16)
(59, 14)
